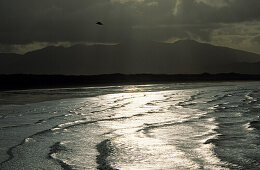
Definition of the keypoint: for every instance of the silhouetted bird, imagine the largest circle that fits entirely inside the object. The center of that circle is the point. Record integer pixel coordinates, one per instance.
(99, 23)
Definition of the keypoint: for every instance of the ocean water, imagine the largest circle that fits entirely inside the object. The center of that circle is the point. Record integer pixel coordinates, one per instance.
(161, 126)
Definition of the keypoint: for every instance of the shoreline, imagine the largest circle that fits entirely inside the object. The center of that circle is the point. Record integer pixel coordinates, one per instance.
(30, 96)
(27, 81)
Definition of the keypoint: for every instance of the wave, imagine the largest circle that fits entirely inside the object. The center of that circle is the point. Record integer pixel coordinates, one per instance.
(219, 107)
(248, 126)
(211, 141)
(50, 118)
(105, 150)
(167, 124)
(122, 99)
(219, 97)
(248, 96)
(84, 121)
(190, 100)
(25, 140)
(255, 125)
(15, 126)
(54, 149)
(249, 99)
(3, 116)
(111, 108)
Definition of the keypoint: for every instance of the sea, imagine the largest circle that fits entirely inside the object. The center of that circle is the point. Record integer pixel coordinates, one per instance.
(210, 125)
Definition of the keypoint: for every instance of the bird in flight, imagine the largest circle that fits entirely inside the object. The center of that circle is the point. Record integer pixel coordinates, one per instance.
(99, 23)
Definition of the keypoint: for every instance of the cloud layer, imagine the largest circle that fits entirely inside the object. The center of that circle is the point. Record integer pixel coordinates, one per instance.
(34, 23)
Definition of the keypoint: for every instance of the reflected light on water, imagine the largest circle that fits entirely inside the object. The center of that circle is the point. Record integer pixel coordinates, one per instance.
(156, 132)
(136, 127)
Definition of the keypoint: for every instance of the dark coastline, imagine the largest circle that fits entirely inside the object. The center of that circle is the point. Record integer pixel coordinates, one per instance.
(26, 81)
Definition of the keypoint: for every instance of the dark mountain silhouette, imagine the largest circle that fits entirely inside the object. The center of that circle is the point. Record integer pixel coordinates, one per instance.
(181, 57)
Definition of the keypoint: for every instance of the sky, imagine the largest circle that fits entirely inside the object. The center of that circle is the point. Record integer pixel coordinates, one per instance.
(27, 25)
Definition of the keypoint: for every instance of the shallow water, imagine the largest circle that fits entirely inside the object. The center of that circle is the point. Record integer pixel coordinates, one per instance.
(163, 126)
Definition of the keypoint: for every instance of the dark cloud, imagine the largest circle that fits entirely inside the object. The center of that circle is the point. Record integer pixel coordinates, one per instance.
(206, 11)
(66, 20)
(30, 21)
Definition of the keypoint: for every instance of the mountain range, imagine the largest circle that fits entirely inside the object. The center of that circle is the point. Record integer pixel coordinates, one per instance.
(181, 57)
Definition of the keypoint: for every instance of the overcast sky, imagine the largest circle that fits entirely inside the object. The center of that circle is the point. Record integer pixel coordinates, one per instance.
(31, 24)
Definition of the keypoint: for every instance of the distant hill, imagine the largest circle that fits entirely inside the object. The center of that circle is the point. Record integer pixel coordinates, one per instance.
(181, 57)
